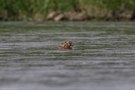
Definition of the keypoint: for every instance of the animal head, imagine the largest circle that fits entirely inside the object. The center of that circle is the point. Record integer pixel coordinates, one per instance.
(70, 43)
(66, 45)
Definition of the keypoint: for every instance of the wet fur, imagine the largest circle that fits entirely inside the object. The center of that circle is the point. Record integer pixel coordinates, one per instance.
(66, 45)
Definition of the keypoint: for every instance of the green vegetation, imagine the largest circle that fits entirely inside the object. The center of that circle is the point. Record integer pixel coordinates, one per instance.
(39, 9)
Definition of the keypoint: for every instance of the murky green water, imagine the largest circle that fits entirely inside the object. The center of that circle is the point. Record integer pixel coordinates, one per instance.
(103, 56)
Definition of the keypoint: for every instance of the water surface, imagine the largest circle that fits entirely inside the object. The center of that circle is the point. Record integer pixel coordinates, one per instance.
(103, 56)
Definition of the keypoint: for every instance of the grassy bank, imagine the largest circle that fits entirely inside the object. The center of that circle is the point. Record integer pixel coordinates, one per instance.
(38, 9)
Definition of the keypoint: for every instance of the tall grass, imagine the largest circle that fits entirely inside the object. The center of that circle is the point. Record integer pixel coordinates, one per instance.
(26, 9)
(110, 4)
(30, 9)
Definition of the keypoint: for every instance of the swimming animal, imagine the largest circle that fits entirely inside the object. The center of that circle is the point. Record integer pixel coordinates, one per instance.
(66, 45)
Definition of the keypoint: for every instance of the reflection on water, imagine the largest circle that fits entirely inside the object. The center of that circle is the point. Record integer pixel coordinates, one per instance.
(103, 57)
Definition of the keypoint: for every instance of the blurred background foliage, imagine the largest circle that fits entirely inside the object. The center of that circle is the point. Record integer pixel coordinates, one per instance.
(30, 9)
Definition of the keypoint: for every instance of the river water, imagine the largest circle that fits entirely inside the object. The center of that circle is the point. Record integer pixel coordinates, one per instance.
(103, 56)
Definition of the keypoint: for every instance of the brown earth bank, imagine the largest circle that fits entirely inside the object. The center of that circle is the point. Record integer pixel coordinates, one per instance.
(84, 15)
(120, 15)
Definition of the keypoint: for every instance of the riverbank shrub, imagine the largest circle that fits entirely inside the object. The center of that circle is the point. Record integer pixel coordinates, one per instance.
(38, 9)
